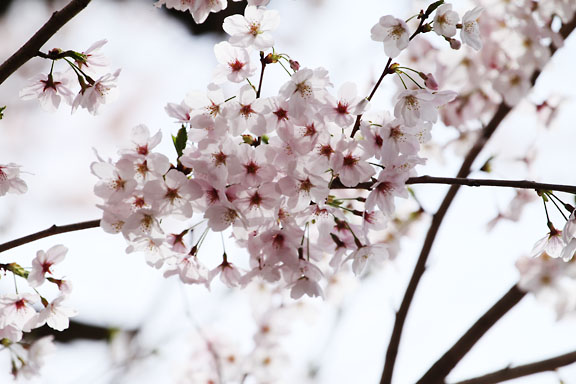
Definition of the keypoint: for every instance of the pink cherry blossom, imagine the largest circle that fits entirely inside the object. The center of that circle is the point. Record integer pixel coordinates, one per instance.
(344, 109)
(235, 64)
(49, 89)
(17, 310)
(43, 262)
(174, 194)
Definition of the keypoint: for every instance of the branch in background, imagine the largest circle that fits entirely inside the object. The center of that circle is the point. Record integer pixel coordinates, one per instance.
(79, 331)
(420, 267)
(448, 361)
(32, 46)
(510, 373)
(53, 230)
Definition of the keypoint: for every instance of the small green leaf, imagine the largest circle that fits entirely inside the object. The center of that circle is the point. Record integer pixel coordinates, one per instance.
(2, 109)
(432, 7)
(180, 140)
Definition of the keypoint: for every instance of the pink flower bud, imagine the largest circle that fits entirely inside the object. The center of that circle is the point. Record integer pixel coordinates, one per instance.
(430, 82)
(294, 65)
(455, 44)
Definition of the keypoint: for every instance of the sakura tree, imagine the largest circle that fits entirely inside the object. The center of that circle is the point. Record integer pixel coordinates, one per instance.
(286, 187)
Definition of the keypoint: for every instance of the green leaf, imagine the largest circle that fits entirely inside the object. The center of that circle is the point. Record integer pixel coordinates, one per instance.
(180, 140)
(2, 110)
(432, 7)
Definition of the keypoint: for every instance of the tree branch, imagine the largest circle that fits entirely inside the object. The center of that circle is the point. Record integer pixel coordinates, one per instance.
(510, 373)
(520, 184)
(420, 267)
(53, 230)
(448, 361)
(32, 46)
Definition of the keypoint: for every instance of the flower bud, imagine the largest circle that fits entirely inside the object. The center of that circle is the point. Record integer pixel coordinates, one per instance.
(294, 65)
(455, 44)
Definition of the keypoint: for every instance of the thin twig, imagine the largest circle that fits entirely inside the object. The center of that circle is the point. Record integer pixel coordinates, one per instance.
(263, 62)
(53, 230)
(33, 46)
(510, 373)
(384, 73)
(420, 267)
(448, 361)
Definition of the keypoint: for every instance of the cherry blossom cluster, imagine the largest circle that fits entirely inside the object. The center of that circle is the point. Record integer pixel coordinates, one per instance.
(87, 69)
(274, 170)
(395, 34)
(494, 75)
(21, 312)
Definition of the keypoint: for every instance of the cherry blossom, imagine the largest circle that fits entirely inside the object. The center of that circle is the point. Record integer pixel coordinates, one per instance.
(343, 109)
(10, 181)
(421, 105)
(96, 93)
(43, 262)
(445, 21)
(17, 310)
(569, 238)
(253, 29)
(235, 64)
(49, 90)
(33, 357)
(56, 315)
(393, 32)
(470, 32)
(365, 254)
(550, 245)
(92, 58)
(513, 85)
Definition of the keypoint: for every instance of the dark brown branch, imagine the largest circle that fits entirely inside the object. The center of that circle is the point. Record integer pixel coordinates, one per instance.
(78, 330)
(53, 230)
(510, 373)
(32, 46)
(520, 184)
(448, 361)
(420, 267)
(384, 73)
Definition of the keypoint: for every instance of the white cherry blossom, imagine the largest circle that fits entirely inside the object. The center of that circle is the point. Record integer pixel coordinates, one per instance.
(49, 89)
(253, 29)
(393, 33)
(10, 181)
(445, 21)
(470, 32)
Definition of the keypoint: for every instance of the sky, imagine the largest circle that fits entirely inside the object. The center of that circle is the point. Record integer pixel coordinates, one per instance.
(469, 268)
